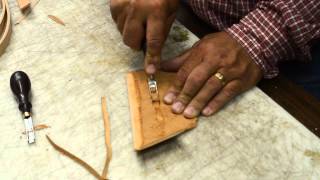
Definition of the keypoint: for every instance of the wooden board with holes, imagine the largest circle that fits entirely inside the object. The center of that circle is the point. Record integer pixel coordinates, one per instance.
(153, 122)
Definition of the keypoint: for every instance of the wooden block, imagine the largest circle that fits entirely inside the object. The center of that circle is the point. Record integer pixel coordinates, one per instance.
(153, 122)
(23, 4)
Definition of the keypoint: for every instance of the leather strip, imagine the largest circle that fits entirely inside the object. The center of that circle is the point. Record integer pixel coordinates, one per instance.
(74, 158)
(107, 136)
(84, 164)
(5, 26)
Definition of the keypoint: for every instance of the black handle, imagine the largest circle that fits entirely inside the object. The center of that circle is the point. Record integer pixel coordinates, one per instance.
(20, 85)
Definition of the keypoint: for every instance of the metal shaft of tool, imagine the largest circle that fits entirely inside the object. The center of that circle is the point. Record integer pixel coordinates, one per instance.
(153, 89)
(29, 128)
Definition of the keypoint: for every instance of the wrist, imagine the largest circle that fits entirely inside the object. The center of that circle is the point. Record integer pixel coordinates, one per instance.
(254, 49)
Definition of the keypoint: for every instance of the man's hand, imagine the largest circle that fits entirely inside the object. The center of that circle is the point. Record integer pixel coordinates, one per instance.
(211, 73)
(145, 20)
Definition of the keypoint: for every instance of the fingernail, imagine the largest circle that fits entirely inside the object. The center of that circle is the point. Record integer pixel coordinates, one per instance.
(177, 107)
(169, 98)
(190, 112)
(207, 111)
(151, 69)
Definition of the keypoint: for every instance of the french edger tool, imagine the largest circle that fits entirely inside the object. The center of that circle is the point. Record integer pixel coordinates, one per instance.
(152, 83)
(20, 85)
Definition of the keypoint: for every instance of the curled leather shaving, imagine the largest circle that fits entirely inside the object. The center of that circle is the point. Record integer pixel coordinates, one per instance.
(56, 19)
(89, 168)
(38, 127)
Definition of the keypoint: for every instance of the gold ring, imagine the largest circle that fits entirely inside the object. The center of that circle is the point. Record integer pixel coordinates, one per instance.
(220, 77)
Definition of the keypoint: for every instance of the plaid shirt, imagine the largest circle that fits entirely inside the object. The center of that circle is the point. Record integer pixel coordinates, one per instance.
(270, 30)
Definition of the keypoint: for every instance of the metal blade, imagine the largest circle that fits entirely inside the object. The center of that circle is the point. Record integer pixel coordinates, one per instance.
(29, 130)
(153, 89)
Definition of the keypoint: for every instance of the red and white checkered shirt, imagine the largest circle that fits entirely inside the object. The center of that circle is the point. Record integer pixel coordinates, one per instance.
(270, 30)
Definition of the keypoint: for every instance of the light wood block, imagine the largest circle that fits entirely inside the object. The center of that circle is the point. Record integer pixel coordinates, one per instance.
(153, 122)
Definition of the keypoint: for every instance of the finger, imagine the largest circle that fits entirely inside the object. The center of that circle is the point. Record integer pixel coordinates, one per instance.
(151, 63)
(133, 32)
(121, 21)
(169, 23)
(156, 29)
(231, 90)
(195, 81)
(117, 7)
(210, 89)
(174, 64)
(181, 76)
(190, 63)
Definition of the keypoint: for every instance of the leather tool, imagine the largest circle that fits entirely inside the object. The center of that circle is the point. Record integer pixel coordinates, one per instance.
(20, 85)
(152, 83)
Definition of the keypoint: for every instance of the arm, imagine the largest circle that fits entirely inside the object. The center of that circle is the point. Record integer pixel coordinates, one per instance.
(223, 65)
(145, 20)
(278, 30)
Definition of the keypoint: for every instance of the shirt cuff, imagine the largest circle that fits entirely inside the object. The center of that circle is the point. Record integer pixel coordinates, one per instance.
(261, 35)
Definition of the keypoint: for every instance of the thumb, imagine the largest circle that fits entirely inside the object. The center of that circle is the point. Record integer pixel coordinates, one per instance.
(174, 64)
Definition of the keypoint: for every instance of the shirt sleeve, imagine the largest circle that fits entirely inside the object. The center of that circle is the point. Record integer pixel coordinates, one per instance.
(278, 30)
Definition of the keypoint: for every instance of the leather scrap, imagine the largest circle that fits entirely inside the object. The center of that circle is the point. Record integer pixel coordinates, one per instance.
(23, 4)
(56, 19)
(75, 158)
(81, 162)
(39, 127)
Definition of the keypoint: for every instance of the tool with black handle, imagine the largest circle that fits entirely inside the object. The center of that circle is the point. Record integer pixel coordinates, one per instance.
(20, 85)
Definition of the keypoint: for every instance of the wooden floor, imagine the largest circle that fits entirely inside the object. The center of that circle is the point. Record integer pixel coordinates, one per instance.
(291, 97)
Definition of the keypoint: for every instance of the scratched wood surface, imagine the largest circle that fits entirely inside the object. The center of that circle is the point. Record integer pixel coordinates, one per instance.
(72, 66)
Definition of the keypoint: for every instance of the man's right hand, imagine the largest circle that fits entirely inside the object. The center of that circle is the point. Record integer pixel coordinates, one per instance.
(145, 20)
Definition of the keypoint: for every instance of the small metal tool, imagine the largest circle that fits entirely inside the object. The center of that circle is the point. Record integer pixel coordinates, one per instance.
(20, 85)
(152, 83)
(153, 89)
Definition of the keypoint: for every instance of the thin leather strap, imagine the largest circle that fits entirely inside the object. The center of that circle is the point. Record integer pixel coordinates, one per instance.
(107, 136)
(108, 147)
(5, 26)
(75, 158)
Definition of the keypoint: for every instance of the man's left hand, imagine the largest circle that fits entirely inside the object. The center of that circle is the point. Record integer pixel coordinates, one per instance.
(215, 70)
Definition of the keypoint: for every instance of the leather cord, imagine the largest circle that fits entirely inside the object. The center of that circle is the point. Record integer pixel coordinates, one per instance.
(5, 26)
(81, 162)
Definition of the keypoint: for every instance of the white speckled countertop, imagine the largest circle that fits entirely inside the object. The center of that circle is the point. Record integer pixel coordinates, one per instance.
(72, 66)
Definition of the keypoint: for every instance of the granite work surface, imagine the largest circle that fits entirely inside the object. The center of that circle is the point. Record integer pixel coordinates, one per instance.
(72, 66)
